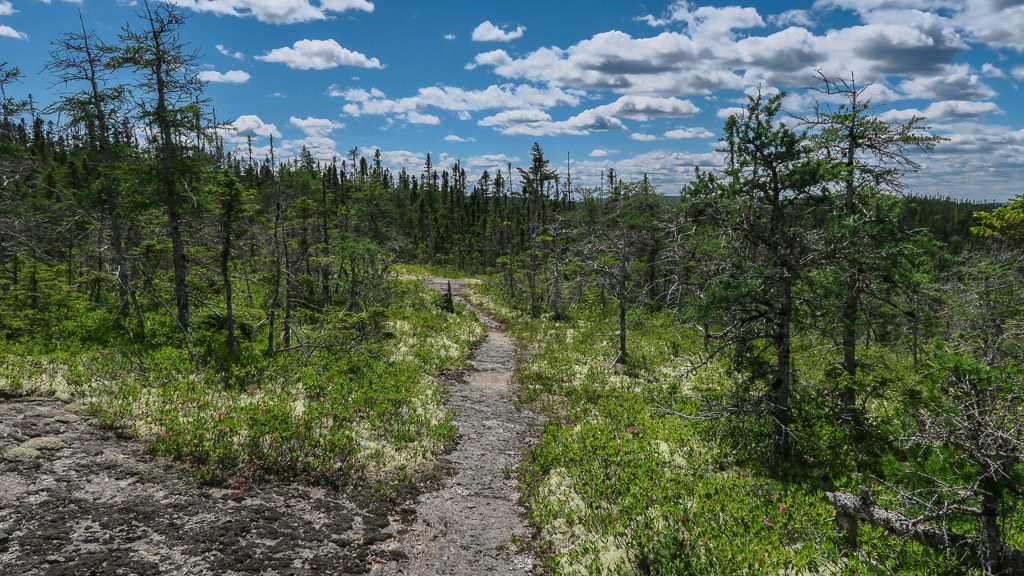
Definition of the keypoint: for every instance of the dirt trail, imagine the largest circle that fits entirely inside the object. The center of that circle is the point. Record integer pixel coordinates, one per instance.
(472, 525)
(75, 499)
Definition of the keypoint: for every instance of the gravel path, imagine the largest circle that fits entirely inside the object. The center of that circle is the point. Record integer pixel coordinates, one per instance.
(472, 524)
(76, 499)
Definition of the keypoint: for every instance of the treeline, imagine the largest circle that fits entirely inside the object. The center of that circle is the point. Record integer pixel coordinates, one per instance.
(125, 221)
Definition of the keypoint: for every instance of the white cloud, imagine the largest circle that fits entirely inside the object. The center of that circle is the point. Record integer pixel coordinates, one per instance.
(707, 20)
(318, 55)
(687, 133)
(459, 100)
(997, 23)
(956, 82)
(724, 113)
(250, 126)
(644, 108)
(456, 138)
(944, 110)
(667, 170)
(598, 153)
(1018, 73)
(980, 161)
(792, 18)
(315, 127)
(229, 53)
(449, 36)
(275, 11)
(229, 77)
(531, 122)
(316, 137)
(8, 32)
(521, 116)
(992, 71)
(415, 117)
(346, 5)
(6, 8)
(488, 32)
(641, 137)
(702, 62)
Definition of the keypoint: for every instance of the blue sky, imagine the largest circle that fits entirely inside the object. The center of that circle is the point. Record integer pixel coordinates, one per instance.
(641, 87)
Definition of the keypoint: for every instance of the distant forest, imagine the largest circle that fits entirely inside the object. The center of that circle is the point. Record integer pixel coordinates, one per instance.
(792, 323)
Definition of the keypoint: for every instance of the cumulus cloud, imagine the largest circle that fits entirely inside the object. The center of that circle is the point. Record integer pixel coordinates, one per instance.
(415, 117)
(945, 110)
(7, 9)
(642, 137)
(996, 23)
(792, 18)
(992, 71)
(688, 133)
(977, 160)
(647, 107)
(229, 77)
(311, 126)
(707, 20)
(319, 55)
(374, 102)
(956, 82)
(229, 53)
(275, 11)
(708, 57)
(724, 113)
(1018, 73)
(458, 139)
(8, 32)
(449, 36)
(598, 153)
(488, 32)
(531, 122)
(249, 126)
(346, 5)
(534, 122)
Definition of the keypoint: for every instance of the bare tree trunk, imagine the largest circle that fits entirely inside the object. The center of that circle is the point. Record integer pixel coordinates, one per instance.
(225, 270)
(276, 292)
(286, 336)
(325, 273)
(993, 545)
(124, 285)
(33, 286)
(180, 265)
(780, 386)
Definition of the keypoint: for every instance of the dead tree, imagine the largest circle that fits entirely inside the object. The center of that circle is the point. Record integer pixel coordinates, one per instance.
(979, 427)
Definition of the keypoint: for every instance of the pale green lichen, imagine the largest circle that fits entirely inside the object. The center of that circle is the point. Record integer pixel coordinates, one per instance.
(44, 443)
(21, 454)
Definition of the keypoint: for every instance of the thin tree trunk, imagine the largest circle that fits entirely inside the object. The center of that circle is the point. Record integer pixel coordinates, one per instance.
(225, 262)
(124, 285)
(780, 386)
(286, 336)
(276, 292)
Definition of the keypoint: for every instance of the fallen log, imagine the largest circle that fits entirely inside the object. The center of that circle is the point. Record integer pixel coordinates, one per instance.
(851, 509)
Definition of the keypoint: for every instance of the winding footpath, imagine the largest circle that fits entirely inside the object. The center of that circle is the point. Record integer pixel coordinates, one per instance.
(75, 499)
(473, 525)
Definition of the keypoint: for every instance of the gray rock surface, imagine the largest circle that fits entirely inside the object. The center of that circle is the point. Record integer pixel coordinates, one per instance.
(91, 503)
(76, 499)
